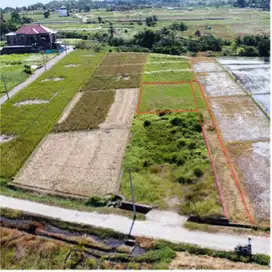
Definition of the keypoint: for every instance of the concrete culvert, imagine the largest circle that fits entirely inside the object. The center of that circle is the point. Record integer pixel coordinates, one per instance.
(30, 102)
(6, 138)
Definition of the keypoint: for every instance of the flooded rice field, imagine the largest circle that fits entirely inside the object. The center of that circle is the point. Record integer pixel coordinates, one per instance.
(254, 76)
(244, 127)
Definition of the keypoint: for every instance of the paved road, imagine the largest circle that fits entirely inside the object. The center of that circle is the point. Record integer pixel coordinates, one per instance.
(35, 75)
(159, 225)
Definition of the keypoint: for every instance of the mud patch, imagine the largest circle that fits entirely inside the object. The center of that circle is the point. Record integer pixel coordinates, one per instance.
(240, 119)
(220, 84)
(53, 79)
(207, 67)
(71, 65)
(253, 162)
(6, 138)
(30, 102)
(122, 77)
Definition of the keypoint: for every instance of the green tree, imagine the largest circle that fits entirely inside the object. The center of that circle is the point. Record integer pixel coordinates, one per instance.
(145, 38)
(264, 47)
(46, 14)
(111, 30)
(15, 17)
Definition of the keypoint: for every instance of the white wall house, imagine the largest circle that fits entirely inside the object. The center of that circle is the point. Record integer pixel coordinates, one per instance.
(63, 11)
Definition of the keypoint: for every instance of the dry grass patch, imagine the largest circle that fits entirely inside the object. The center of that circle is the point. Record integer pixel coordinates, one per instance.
(89, 112)
(185, 260)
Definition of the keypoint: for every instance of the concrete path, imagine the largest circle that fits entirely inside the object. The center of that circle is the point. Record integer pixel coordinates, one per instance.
(167, 227)
(35, 75)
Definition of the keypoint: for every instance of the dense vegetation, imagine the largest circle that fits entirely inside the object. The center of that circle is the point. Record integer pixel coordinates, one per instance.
(168, 158)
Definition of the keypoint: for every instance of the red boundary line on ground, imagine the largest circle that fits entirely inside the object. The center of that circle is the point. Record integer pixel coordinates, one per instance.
(204, 135)
(226, 155)
(211, 159)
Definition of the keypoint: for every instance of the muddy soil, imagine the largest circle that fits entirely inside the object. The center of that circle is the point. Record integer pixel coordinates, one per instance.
(219, 84)
(240, 119)
(6, 138)
(248, 157)
(31, 102)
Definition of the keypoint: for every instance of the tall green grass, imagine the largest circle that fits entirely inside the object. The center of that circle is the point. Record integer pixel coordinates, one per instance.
(168, 159)
(30, 123)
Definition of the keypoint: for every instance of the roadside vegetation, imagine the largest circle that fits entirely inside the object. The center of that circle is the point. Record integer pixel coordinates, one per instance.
(99, 249)
(30, 123)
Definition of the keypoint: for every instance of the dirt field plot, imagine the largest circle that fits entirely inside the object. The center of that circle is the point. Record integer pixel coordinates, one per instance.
(124, 58)
(89, 111)
(97, 83)
(83, 163)
(220, 84)
(249, 158)
(240, 119)
(127, 69)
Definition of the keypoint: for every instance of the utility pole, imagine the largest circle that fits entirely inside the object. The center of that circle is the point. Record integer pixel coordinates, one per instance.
(3, 79)
(44, 61)
(133, 202)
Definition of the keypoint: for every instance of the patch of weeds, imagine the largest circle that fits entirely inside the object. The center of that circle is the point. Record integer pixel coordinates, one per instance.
(168, 157)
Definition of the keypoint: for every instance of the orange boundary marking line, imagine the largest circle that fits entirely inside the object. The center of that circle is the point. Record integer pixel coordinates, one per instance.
(211, 159)
(226, 155)
(203, 133)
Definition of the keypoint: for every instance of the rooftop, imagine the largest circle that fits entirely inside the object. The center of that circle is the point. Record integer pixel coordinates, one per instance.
(34, 29)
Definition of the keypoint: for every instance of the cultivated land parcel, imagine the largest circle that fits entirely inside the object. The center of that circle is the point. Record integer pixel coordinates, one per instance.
(143, 112)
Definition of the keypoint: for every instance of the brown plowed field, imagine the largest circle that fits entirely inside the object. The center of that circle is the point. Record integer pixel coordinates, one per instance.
(83, 163)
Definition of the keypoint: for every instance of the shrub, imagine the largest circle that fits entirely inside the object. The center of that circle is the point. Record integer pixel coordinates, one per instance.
(155, 168)
(147, 123)
(27, 69)
(176, 121)
(91, 262)
(96, 201)
(198, 172)
(184, 179)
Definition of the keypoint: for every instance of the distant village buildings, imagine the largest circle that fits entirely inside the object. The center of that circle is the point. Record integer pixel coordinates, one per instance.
(63, 12)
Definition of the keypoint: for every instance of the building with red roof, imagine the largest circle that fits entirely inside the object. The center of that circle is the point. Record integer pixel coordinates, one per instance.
(31, 38)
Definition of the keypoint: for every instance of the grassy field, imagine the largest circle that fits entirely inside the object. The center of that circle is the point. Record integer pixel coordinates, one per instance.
(89, 112)
(170, 97)
(12, 68)
(32, 122)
